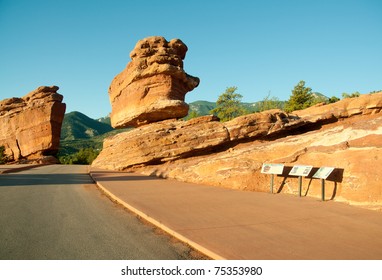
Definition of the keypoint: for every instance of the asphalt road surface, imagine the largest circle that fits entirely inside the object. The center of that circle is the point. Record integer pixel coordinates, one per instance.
(56, 212)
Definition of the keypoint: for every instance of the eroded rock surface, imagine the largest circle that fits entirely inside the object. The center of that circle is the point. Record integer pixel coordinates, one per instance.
(346, 135)
(30, 126)
(153, 85)
(353, 146)
(174, 139)
(364, 105)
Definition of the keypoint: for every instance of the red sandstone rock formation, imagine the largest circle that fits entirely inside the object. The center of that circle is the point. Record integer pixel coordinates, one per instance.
(353, 146)
(153, 85)
(30, 126)
(171, 139)
(346, 135)
(348, 107)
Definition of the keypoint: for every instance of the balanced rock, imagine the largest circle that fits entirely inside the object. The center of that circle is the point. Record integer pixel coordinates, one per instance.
(30, 126)
(153, 85)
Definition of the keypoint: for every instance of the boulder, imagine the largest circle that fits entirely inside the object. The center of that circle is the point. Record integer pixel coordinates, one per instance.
(153, 85)
(30, 126)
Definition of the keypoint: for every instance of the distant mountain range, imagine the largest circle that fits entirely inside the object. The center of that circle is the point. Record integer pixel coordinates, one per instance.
(79, 126)
(202, 107)
(78, 132)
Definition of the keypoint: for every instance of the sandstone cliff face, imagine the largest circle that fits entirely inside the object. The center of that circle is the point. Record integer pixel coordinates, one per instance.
(346, 135)
(30, 126)
(153, 85)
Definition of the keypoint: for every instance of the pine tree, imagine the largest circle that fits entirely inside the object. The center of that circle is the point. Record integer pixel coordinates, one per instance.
(228, 105)
(301, 98)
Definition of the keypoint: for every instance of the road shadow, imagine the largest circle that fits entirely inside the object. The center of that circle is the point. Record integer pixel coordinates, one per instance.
(125, 177)
(19, 179)
(107, 172)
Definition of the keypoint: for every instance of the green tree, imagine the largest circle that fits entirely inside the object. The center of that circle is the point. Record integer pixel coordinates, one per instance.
(333, 99)
(191, 115)
(83, 156)
(301, 98)
(228, 105)
(352, 95)
(268, 103)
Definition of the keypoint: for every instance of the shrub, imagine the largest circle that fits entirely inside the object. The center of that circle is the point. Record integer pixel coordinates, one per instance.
(2, 158)
(83, 156)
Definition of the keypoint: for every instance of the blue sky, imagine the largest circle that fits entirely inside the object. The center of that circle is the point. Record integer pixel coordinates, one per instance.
(257, 46)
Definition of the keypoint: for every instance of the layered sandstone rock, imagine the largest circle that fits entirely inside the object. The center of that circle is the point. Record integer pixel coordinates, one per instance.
(30, 126)
(203, 150)
(353, 147)
(153, 85)
(174, 139)
(348, 107)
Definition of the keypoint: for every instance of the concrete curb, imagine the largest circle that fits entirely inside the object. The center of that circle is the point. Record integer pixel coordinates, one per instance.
(158, 224)
(11, 170)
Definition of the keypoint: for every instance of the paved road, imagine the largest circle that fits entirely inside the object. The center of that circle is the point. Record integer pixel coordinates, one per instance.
(232, 224)
(56, 212)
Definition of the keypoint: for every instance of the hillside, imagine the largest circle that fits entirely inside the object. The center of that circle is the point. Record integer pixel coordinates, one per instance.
(203, 108)
(105, 120)
(79, 126)
(82, 136)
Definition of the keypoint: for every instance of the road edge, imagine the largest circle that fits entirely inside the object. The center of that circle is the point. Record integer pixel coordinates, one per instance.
(158, 224)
